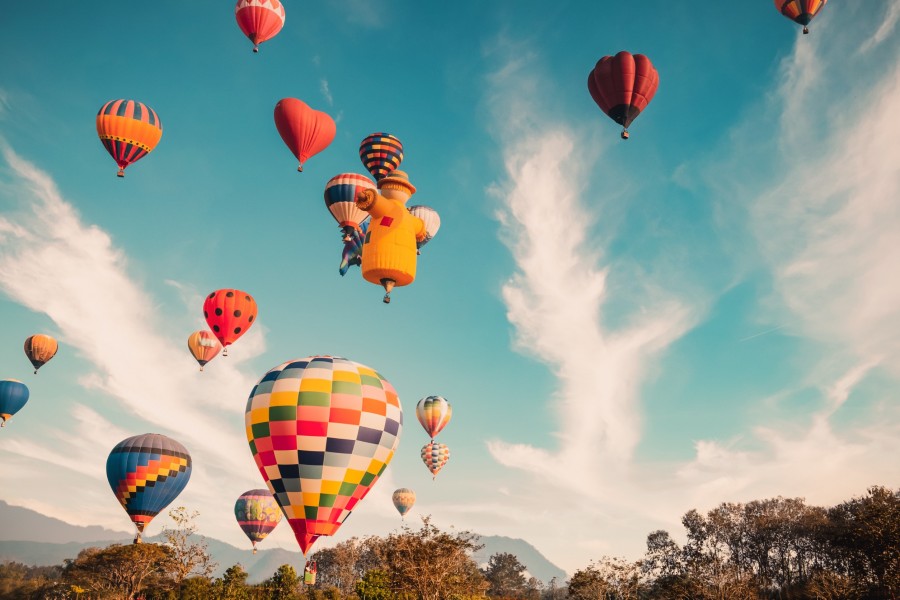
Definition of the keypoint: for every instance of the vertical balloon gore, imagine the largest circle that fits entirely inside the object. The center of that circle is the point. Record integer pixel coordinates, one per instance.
(13, 396)
(260, 20)
(434, 413)
(39, 349)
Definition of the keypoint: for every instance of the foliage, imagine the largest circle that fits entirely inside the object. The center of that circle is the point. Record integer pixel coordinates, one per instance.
(120, 572)
(375, 585)
(505, 576)
(189, 557)
(233, 584)
(284, 584)
(21, 581)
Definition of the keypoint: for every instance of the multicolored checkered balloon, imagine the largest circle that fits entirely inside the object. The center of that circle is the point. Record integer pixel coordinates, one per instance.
(322, 429)
(435, 455)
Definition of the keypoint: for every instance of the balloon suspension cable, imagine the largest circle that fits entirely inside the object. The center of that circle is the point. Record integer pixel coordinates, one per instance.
(121, 172)
(625, 134)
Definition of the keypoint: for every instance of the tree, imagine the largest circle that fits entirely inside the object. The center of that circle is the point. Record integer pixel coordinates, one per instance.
(505, 576)
(196, 588)
(375, 585)
(610, 577)
(120, 572)
(344, 564)
(188, 557)
(20, 581)
(233, 583)
(284, 584)
(430, 564)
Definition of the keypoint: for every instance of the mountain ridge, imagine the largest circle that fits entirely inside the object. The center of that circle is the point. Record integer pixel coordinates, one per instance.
(32, 538)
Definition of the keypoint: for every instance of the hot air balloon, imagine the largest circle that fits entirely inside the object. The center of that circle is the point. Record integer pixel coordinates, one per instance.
(435, 455)
(389, 249)
(381, 153)
(129, 131)
(432, 221)
(434, 413)
(229, 313)
(146, 473)
(403, 500)
(203, 346)
(13, 396)
(40, 349)
(260, 20)
(352, 252)
(322, 430)
(257, 513)
(800, 11)
(622, 86)
(340, 199)
(305, 131)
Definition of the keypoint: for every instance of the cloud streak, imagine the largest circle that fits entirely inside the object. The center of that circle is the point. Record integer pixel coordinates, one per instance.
(55, 264)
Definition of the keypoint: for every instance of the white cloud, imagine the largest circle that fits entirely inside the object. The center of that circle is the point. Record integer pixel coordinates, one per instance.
(53, 263)
(326, 92)
(885, 29)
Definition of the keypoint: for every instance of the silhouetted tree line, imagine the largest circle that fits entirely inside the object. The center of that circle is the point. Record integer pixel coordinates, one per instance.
(772, 549)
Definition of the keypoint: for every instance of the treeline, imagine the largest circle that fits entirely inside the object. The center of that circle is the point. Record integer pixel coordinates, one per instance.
(779, 548)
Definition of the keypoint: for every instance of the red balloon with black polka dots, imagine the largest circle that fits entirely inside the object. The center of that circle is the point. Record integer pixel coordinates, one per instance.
(229, 314)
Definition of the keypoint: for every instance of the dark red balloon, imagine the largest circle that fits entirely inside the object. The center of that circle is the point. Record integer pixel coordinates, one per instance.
(622, 86)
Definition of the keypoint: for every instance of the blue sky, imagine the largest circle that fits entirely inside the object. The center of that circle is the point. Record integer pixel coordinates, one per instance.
(707, 312)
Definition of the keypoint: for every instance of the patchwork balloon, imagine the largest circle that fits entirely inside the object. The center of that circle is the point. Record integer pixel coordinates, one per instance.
(13, 396)
(304, 130)
(435, 455)
(381, 153)
(146, 473)
(322, 430)
(203, 346)
(434, 414)
(403, 500)
(260, 20)
(229, 313)
(128, 130)
(257, 514)
(40, 349)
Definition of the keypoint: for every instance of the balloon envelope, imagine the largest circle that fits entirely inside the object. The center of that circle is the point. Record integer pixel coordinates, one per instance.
(229, 313)
(381, 153)
(260, 20)
(623, 85)
(203, 346)
(257, 514)
(434, 413)
(430, 217)
(129, 130)
(13, 396)
(435, 455)
(322, 430)
(146, 473)
(305, 131)
(800, 11)
(403, 500)
(39, 349)
(340, 198)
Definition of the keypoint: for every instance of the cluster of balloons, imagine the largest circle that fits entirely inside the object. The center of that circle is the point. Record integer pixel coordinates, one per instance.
(14, 394)
(434, 414)
(391, 233)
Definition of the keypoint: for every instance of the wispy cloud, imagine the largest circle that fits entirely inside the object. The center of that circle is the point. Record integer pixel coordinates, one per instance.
(326, 92)
(557, 296)
(54, 263)
(885, 29)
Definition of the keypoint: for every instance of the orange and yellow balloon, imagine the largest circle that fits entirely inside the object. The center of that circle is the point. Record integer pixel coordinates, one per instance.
(129, 130)
(39, 349)
(204, 346)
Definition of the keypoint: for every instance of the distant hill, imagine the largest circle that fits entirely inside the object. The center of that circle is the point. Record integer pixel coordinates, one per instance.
(31, 538)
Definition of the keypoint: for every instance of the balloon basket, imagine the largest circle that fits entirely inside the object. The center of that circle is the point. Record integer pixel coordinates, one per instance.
(625, 134)
(121, 173)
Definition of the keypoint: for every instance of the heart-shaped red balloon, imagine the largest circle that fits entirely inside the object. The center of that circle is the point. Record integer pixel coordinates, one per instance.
(305, 131)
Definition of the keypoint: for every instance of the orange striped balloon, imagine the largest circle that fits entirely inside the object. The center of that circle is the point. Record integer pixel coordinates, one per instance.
(40, 349)
(129, 130)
